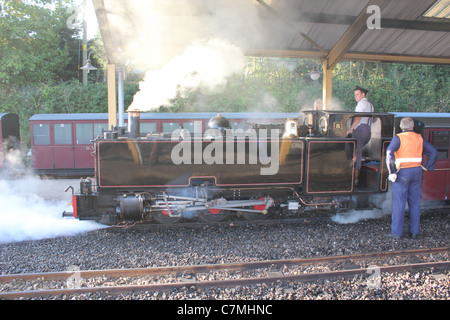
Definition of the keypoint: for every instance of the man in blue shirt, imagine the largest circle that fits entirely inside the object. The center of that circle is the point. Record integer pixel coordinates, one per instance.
(404, 160)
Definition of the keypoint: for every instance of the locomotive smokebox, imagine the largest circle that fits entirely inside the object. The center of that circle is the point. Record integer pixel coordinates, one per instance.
(134, 123)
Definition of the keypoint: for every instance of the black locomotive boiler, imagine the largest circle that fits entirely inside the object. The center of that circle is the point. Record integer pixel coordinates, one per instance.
(209, 173)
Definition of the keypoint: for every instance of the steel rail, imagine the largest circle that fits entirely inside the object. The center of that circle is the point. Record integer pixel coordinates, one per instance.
(304, 277)
(153, 271)
(215, 267)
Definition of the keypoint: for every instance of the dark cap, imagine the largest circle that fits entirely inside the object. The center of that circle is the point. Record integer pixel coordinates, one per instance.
(361, 89)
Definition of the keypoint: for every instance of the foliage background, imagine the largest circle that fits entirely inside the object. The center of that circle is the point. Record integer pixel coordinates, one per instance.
(40, 59)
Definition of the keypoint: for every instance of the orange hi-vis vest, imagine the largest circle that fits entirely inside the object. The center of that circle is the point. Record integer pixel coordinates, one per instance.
(409, 155)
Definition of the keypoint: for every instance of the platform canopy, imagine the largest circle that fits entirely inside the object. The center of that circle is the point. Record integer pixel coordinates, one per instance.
(409, 31)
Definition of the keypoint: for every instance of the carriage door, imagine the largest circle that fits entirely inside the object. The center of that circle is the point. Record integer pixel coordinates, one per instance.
(63, 152)
(435, 185)
(85, 133)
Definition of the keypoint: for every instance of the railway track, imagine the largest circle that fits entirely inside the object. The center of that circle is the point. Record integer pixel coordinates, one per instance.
(203, 276)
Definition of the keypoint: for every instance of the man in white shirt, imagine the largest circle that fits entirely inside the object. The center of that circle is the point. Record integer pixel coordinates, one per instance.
(360, 128)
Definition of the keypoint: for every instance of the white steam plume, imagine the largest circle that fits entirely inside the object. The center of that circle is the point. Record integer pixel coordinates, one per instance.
(382, 207)
(31, 208)
(205, 64)
(185, 44)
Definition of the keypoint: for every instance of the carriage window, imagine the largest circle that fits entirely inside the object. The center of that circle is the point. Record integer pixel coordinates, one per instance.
(170, 126)
(63, 133)
(99, 128)
(84, 133)
(41, 134)
(239, 125)
(440, 140)
(189, 126)
(148, 127)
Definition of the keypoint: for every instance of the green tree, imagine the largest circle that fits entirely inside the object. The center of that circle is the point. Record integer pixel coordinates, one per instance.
(35, 43)
(394, 86)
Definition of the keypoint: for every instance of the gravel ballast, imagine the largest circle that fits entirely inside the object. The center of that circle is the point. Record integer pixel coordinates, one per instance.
(128, 248)
(34, 238)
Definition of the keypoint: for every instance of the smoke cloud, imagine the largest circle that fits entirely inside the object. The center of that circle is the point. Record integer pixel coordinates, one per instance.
(31, 208)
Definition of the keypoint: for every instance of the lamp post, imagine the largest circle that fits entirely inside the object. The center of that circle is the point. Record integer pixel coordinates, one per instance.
(84, 42)
(315, 75)
(88, 67)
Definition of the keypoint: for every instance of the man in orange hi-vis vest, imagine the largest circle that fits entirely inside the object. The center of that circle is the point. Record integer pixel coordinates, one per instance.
(404, 160)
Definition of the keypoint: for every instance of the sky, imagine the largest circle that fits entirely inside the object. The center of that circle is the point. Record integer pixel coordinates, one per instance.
(92, 25)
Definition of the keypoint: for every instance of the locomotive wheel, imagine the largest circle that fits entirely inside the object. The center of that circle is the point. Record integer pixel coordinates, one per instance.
(164, 218)
(213, 215)
(253, 216)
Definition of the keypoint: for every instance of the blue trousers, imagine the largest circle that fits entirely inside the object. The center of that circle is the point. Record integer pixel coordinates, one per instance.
(407, 188)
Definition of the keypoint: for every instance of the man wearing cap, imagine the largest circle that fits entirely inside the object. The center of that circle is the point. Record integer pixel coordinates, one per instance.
(404, 160)
(360, 128)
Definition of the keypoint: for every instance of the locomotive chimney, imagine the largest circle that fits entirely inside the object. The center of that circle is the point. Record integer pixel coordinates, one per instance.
(134, 123)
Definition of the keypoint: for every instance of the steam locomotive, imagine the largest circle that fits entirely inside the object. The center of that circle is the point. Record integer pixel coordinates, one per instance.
(269, 169)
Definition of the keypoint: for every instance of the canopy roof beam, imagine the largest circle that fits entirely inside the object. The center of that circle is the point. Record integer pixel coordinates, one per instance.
(351, 35)
(349, 56)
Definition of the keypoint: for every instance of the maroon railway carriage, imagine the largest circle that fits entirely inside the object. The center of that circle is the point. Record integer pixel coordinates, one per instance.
(61, 144)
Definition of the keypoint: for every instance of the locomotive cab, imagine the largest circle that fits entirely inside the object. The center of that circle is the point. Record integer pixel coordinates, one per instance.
(330, 151)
